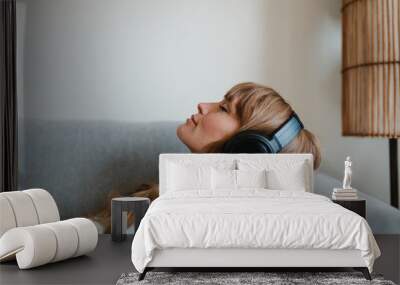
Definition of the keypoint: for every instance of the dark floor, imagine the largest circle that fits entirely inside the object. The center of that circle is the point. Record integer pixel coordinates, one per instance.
(110, 260)
(102, 266)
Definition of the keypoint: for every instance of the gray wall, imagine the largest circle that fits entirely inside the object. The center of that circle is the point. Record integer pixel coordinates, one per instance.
(154, 60)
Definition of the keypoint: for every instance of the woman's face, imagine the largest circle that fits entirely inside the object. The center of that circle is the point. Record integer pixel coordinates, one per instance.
(213, 122)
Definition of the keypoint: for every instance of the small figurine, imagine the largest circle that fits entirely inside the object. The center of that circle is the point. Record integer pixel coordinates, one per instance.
(347, 174)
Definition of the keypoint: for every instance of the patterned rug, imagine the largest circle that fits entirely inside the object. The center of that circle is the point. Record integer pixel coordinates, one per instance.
(230, 278)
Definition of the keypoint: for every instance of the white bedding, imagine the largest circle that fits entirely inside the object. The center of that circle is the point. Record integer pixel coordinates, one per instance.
(251, 218)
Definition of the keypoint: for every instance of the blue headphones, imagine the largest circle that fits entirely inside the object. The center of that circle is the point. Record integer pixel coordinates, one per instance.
(255, 142)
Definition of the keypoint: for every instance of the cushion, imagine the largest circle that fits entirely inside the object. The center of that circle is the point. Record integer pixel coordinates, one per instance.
(236, 179)
(223, 179)
(281, 174)
(66, 237)
(23, 208)
(45, 206)
(251, 178)
(185, 177)
(7, 220)
(288, 179)
(167, 176)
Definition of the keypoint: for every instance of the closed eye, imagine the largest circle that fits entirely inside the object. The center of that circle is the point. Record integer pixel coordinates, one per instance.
(223, 108)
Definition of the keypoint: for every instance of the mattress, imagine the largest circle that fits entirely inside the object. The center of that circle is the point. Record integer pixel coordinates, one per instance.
(250, 219)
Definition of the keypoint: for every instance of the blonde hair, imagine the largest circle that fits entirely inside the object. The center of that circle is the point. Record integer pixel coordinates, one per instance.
(262, 109)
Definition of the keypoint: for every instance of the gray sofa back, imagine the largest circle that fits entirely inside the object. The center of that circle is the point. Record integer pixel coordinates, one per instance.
(80, 162)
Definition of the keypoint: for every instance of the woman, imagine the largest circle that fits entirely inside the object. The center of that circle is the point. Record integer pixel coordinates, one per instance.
(246, 106)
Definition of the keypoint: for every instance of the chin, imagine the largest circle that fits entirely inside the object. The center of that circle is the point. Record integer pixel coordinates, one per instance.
(179, 132)
(182, 135)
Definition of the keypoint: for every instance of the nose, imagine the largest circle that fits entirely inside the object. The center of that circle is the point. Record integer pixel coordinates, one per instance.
(202, 108)
(205, 108)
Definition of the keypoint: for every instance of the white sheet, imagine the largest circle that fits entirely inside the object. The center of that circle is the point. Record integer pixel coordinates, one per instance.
(251, 218)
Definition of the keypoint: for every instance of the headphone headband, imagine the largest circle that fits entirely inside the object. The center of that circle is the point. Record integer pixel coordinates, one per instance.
(287, 132)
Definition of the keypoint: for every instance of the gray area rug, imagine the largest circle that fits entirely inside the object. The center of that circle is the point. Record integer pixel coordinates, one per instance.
(228, 278)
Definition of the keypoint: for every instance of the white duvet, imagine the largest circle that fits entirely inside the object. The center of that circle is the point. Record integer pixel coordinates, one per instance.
(252, 218)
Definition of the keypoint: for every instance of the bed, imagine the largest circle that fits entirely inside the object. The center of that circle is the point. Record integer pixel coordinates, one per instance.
(244, 211)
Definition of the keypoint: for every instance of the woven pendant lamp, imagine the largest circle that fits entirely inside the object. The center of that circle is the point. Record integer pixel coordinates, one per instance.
(371, 75)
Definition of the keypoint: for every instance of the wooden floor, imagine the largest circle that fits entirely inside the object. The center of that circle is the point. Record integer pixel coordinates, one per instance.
(110, 260)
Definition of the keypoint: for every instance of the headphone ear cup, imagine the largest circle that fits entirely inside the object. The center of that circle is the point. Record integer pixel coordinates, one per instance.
(247, 142)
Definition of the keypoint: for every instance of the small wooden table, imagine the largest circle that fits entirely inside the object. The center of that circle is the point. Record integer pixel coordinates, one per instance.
(119, 209)
(358, 206)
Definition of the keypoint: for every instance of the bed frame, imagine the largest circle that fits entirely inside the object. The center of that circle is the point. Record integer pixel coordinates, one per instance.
(248, 259)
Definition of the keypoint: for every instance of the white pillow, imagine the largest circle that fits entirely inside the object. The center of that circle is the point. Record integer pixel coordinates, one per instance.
(251, 178)
(188, 177)
(236, 179)
(294, 178)
(223, 179)
(282, 174)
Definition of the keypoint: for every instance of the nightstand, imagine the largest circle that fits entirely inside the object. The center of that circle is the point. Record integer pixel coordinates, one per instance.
(357, 206)
(119, 209)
